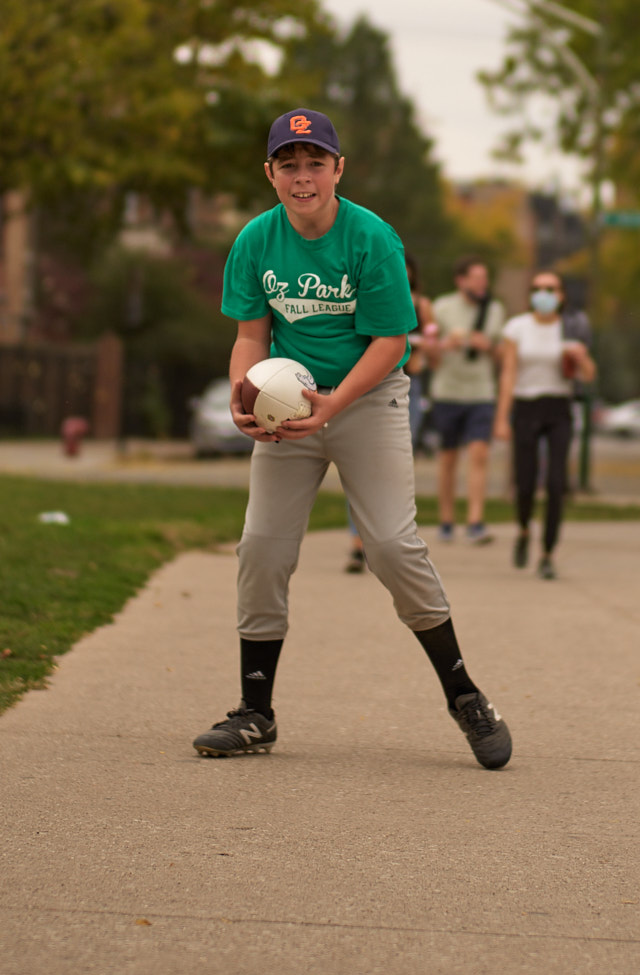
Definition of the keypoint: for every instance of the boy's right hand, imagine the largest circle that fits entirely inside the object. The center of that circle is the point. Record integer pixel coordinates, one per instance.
(246, 422)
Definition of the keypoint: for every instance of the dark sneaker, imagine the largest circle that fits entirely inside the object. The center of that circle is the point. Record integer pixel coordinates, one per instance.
(243, 730)
(356, 561)
(486, 732)
(546, 569)
(521, 551)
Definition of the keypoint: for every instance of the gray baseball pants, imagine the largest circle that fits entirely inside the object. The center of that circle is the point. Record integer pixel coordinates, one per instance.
(370, 444)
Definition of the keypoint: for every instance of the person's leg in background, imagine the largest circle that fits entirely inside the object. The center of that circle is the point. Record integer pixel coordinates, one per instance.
(525, 464)
(477, 436)
(356, 560)
(447, 471)
(558, 436)
(478, 462)
(415, 408)
(447, 422)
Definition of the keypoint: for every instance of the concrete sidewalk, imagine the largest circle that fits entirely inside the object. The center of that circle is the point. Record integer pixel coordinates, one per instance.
(369, 841)
(615, 468)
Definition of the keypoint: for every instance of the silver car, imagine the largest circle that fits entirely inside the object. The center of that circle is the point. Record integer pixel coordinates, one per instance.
(622, 420)
(211, 430)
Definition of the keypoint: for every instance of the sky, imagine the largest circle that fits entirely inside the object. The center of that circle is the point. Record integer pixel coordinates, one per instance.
(438, 46)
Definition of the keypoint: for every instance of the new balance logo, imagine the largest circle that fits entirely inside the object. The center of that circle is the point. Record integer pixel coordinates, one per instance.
(249, 733)
(394, 403)
(256, 675)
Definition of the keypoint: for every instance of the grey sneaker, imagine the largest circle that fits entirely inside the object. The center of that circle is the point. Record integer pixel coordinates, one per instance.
(478, 534)
(243, 730)
(546, 569)
(486, 732)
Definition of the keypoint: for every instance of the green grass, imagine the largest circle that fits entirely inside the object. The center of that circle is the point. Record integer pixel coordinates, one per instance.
(62, 581)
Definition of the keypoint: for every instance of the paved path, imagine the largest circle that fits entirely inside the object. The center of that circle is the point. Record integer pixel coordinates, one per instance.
(615, 467)
(369, 841)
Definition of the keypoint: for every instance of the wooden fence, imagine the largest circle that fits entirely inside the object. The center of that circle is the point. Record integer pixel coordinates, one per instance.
(41, 385)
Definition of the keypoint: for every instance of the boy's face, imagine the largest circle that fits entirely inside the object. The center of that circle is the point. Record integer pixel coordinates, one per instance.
(305, 179)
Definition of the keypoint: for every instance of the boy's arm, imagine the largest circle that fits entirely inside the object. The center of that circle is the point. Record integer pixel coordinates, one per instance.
(252, 344)
(381, 355)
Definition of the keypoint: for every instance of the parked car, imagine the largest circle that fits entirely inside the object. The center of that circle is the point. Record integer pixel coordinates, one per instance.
(622, 420)
(211, 430)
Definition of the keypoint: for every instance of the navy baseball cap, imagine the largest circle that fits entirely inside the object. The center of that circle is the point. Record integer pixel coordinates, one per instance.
(303, 125)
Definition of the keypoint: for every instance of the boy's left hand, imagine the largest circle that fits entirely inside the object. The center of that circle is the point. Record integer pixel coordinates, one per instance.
(322, 410)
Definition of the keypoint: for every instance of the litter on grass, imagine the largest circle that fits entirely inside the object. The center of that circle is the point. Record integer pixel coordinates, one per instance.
(54, 518)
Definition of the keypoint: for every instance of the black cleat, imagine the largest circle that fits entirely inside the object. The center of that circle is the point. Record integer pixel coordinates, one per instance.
(243, 730)
(486, 732)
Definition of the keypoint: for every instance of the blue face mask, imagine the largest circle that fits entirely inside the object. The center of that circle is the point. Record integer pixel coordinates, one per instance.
(545, 301)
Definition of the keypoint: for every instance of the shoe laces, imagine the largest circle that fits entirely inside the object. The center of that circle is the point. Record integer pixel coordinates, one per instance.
(479, 718)
(233, 713)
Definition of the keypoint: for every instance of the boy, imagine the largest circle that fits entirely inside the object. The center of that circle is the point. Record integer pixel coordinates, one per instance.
(323, 281)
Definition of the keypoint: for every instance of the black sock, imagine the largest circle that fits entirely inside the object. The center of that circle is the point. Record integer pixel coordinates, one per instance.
(258, 662)
(441, 647)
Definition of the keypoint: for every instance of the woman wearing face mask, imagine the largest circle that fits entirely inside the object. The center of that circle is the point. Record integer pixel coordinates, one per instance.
(538, 366)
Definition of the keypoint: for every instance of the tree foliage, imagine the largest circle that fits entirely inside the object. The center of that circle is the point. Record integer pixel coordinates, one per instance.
(175, 339)
(105, 97)
(148, 95)
(488, 215)
(389, 161)
(589, 69)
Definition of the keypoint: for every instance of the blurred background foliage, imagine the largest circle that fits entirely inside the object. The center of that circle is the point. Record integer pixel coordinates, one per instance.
(122, 120)
(582, 59)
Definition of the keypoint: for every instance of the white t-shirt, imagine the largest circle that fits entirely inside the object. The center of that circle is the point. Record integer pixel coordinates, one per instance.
(539, 357)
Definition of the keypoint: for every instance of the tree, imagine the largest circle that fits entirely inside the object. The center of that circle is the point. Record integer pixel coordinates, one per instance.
(589, 70)
(489, 213)
(106, 96)
(389, 164)
(175, 338)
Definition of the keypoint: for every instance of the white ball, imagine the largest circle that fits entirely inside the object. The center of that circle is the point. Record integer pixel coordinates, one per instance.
(272, 391)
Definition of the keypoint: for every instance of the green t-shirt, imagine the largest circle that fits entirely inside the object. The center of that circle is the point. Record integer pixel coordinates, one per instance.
(327, 296)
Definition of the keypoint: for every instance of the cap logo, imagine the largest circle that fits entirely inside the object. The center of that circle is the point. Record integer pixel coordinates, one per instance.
(300, 124)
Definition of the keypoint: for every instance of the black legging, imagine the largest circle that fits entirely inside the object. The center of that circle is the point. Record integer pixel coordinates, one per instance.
(545, 418)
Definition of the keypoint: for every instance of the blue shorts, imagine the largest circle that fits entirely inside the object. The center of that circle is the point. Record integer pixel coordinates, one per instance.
(462, 423)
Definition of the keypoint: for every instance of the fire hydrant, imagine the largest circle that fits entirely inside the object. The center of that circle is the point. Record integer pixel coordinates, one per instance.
(74, 428)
